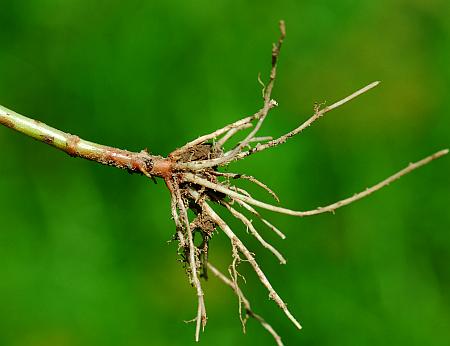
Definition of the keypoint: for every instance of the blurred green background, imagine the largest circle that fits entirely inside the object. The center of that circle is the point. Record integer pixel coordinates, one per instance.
(84, 258)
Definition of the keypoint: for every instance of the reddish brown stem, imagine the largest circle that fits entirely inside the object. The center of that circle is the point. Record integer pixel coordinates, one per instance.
(135, 162)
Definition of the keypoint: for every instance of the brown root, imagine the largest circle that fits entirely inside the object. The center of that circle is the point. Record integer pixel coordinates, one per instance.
(195, 180)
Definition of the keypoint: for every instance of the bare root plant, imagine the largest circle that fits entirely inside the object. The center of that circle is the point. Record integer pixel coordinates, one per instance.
(195, 181)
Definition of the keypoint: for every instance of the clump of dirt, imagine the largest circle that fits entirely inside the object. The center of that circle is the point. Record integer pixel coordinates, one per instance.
(205, 151)
(204, 223)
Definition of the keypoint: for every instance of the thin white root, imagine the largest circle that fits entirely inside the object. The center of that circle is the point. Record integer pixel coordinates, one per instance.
(261, 139)
(221, 142)
(251, 179)
(238, 189)
(318, 114)
(189, 177)
(232, 270)
(254, 232)
(268, 105)
(258, 215)
(246, 303)
(239, 124)
(253, 140)
(176, 217)
(201, 310)
(248, 255)
(228, 157)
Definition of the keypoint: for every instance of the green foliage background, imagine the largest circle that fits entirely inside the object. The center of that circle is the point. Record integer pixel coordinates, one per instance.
(84, 258)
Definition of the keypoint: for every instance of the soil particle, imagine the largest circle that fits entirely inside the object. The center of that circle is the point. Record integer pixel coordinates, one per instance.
(200, 152)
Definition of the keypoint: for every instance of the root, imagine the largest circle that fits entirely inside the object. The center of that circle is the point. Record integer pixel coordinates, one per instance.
(193, 264)
(196, 181)
(258, 215)
(251, 179)
(254, 232)
(245, 302)
(191, 178)
(235, 241)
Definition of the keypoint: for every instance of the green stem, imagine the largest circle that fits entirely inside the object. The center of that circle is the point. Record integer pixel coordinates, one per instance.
(135, 162)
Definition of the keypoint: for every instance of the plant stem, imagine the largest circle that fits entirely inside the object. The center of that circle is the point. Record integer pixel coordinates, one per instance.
(134, 162)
